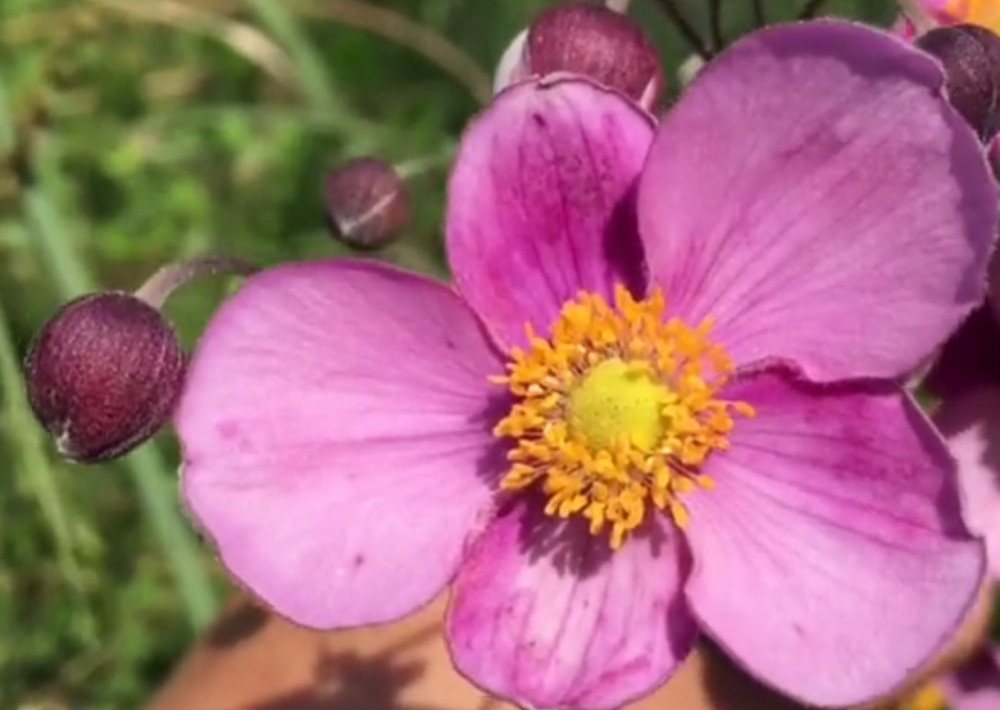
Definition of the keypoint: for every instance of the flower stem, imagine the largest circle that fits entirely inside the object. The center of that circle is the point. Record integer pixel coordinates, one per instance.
(759, 18)
(415, 167)
(390, 24)
(810, 9)
(160, 285)
(685, 28)
(715, 24)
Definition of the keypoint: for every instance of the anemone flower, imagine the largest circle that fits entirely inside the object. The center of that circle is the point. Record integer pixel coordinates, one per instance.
(660, 400)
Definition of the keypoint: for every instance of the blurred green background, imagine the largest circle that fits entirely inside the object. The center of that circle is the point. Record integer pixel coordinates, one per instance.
(137, 132)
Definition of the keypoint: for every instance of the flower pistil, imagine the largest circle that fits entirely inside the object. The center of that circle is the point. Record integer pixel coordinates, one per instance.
(618, 410)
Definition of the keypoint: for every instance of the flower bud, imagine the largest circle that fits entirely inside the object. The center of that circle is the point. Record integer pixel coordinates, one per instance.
(971, 58)
(579, 37)
(367, 203)
(103, 374)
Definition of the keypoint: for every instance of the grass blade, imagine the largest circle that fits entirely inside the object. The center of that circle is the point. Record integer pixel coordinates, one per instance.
(153, 481)
(35, 464)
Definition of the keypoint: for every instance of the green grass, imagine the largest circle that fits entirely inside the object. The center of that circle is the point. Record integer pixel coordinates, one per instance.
(136, 133)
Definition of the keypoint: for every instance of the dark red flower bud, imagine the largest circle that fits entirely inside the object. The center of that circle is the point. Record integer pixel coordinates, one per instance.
(103, 375)
(367, 203)
(591, 40)
(971, 58)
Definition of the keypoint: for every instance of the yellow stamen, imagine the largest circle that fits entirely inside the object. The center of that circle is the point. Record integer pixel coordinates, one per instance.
(616, 412)
(927, 697)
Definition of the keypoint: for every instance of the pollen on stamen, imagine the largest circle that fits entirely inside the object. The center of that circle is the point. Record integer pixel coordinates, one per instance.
(617, 412)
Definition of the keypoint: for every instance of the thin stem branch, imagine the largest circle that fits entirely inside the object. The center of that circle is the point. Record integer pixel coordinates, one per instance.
(415, 167)
(160, 285)
(715, 24)
(243, 39)
(689, 68)
(685, 28)
(759, 18)
(811, 9)
(407, 32)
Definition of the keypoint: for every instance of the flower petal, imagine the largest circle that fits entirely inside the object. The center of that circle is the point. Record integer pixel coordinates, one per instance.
(972, 426)
(830, 558)
(541, 201)
(511, 67)
(336, 438)
(816, 196)
(544, 613)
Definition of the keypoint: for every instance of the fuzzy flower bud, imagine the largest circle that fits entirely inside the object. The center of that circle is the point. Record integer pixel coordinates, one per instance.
(971, 58)
(103, 375)
(367, 203)
(590, 40)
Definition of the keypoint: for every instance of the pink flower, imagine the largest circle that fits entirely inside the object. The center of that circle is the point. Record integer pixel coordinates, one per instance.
(701, 430)
(971, 422)
(970, 53)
